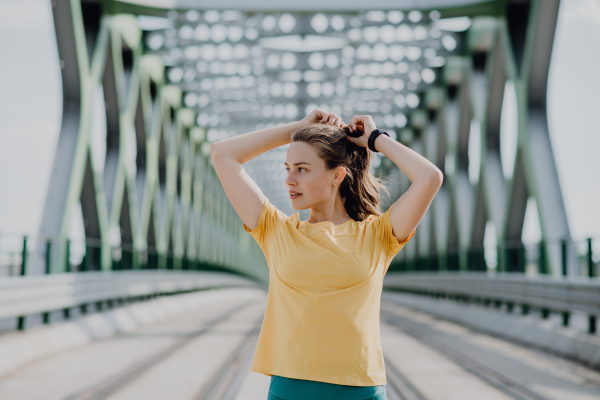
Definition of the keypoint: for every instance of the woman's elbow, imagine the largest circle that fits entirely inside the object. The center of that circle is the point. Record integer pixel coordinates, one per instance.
(437, 178)
(215, 151)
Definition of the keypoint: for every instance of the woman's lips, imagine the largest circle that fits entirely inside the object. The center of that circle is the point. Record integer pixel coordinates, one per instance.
(295, 196)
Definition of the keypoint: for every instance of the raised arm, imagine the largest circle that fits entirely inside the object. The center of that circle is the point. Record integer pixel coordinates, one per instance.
(228, 156)
(425, 177)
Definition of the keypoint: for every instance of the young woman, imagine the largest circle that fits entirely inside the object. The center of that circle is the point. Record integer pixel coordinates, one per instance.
(320, 334)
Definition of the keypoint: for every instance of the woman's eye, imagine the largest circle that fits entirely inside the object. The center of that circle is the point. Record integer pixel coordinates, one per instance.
(288, 170)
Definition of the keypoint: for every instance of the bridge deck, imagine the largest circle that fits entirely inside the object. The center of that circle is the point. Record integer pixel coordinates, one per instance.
(206, 354)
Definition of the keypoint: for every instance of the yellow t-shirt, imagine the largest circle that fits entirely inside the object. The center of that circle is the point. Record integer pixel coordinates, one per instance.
(321, 321)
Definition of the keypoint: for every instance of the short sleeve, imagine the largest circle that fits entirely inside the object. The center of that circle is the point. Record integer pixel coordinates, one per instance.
(269, 220)
(382, 226)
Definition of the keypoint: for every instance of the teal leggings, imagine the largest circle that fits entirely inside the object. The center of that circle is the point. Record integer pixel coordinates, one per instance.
(283, 388)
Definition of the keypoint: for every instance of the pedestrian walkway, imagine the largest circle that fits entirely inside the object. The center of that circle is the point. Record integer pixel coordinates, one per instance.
(206, 354)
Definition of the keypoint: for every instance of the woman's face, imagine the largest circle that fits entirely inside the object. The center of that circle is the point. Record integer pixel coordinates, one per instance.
(307, 176)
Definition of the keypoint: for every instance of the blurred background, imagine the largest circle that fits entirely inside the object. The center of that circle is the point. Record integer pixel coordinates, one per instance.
(109, 199)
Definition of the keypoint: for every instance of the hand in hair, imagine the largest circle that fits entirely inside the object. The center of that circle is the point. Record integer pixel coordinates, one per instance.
(362, 123)
(318, 116)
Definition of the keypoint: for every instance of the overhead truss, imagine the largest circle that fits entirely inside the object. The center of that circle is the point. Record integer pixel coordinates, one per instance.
(170, 82)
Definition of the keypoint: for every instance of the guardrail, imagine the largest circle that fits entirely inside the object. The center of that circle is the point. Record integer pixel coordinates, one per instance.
(23, 255)
(507, 257)
(21, 296)
(548, 294)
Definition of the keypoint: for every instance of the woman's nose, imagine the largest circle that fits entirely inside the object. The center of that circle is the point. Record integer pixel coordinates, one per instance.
(289, 180)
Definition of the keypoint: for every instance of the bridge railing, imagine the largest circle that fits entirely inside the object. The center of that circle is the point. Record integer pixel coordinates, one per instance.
(89, 254)
(546, 293)
(507, 256)
(22, 296)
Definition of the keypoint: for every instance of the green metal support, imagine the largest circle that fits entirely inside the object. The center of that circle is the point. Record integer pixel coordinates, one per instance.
(87, 263)
(68, 256)
(565, 318)
(563, 252)
(543, 265)
(24, 257)
(136, 257)
(48, 257)
(590, 261)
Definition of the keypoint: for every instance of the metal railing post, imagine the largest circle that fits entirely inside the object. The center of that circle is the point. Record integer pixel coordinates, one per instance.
(590, 262)
(543, 266)
(500, 267)
(88, 258)
(68, 255)
(24, 257)
(48, 257)
(135, 259)
(522, 256)
(563, 252)
(565, 318)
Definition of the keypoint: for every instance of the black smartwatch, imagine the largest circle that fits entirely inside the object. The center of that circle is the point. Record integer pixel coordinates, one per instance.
(374, 135)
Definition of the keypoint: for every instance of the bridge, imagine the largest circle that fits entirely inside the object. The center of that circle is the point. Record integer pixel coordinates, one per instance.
(163, 297)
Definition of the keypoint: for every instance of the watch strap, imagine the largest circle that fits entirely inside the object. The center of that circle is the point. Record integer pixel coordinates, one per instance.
(374, 135)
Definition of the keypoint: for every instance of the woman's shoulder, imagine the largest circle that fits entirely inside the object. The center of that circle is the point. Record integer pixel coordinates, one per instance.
(279, 214)
(368, 220)
(371, 222)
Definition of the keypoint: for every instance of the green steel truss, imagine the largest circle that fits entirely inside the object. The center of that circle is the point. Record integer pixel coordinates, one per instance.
(168, 199)
(514, 46)
(174, 202)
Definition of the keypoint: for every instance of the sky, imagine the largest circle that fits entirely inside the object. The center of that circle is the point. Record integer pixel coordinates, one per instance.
(30, 112)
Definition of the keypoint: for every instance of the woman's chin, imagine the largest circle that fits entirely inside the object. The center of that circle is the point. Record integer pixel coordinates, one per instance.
(296, 205)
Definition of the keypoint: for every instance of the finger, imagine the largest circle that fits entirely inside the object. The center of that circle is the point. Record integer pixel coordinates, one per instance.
(355, 121)
(318, 114)
(338, 122)
(357, 125)
(351, 124)
(324, 118)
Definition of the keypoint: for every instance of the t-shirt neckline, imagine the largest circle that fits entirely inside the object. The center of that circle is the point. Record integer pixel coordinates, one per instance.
(326, 222)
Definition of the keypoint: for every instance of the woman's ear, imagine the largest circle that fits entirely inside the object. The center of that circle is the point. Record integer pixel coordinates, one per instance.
(340, 173)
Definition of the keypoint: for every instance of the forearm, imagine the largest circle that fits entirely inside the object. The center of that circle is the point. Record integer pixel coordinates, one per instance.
(416, 167)
(245, 147)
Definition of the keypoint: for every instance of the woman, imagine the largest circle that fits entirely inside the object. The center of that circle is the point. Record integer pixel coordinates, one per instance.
(320, 334)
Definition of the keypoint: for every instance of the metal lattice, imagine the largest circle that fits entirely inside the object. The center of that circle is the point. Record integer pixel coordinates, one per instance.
(229, 72)
(245, 71)
(166, 199)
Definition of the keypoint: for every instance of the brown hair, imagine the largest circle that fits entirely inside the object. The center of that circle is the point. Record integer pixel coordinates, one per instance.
(359, 189)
